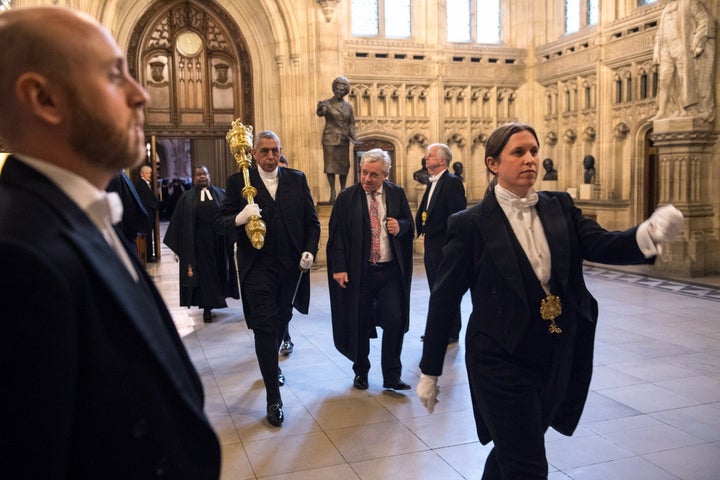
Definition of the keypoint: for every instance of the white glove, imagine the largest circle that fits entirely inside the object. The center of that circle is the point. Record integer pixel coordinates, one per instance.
(306, 261)
(664, 224)
(245, 214)
(428, 391)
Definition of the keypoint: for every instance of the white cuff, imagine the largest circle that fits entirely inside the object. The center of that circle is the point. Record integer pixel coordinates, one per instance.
(645, 242)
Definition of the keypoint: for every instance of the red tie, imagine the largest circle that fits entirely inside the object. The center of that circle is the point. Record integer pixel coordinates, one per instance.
(374, 228)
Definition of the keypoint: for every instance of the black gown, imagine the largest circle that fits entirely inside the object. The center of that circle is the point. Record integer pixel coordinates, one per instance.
(207, 268)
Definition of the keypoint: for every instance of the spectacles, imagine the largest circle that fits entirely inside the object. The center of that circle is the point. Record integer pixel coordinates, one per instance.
(372, 175)
(274, 151)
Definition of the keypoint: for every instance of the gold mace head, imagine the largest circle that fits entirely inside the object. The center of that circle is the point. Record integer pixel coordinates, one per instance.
(240, 141)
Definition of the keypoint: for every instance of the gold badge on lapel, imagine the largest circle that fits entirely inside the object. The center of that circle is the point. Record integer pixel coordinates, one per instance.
(423, 217)
(550, 309)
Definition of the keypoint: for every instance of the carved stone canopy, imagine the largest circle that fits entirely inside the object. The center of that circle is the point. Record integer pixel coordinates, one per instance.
(570, 136)
(551, 138)
(328, 8)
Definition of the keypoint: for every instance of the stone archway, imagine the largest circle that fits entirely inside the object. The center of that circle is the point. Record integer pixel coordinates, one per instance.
(194, 62)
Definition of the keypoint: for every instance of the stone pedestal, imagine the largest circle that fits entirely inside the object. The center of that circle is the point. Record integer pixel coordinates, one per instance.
(585, 191)
(549, 185)
(684, 149)
(419, 192)
(324, 209)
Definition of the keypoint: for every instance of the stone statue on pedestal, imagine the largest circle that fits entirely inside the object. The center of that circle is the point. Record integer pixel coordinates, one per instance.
(685, 52)
(589, 165)
(550, 172)
(339, 132)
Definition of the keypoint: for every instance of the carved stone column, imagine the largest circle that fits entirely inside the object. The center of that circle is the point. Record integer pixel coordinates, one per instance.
(685, 148)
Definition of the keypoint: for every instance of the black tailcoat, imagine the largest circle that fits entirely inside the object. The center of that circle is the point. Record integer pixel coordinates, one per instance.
(479, 255)
(103, 386)
(300, 225)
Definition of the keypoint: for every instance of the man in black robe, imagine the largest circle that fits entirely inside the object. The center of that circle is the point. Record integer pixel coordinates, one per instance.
(367, 288)
(207, 269)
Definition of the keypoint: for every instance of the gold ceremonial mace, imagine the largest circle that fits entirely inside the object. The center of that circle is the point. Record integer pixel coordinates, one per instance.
(240, 140)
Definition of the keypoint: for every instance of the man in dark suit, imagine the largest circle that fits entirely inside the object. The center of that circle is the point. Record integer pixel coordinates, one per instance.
(102, 385)
(150, 202)
(444, 196)
(135, 218)
(269, 274)
(530, 336)
(369, 254)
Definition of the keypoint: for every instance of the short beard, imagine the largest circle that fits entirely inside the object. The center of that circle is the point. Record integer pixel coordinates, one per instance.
(99, 141)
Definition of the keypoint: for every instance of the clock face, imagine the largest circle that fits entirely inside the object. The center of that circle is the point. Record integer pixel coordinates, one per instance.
(189, 44)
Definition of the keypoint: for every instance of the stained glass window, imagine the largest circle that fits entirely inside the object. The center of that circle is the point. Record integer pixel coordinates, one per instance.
(572, 16)
(384, 18)
(488, 22)
(397, 18)
(458, 20)
(365, 17)
(473, 21)
(581, 13)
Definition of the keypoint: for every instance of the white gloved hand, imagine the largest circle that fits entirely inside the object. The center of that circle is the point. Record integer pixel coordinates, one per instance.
(428, 391)
(306, 261)
(664, 223)
(245, 214)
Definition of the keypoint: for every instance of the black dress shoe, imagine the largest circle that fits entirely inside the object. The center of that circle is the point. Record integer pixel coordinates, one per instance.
(397, 385)
(275, 415)
(360, 382)
(281, 378)
(207, 315)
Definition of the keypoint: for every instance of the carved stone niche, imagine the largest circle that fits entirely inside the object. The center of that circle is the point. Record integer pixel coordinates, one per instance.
(621, 130)
(570, 136)
(551, 138)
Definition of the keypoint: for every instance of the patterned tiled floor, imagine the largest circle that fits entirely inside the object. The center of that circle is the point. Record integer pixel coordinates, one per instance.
(707, 292)
(653, 412)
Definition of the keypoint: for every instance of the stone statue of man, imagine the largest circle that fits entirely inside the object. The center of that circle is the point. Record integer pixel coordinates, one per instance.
(685, 52)
(589, 166)
(339, 132)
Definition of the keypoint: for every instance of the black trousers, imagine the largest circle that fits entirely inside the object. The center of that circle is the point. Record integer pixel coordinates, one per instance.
(432, 258)
(268, 289)
(380, 305)
(517, 395)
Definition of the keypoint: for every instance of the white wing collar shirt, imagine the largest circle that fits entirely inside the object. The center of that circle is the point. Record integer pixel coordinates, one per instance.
(433, 183)
(270, 179)
(104, 209)
(528, 229)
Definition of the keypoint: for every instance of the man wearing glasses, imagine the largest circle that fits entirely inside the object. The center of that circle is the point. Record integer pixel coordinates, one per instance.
(369, 254)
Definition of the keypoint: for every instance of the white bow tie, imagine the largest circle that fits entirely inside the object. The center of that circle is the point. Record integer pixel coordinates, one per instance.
(524, 204)
(434, 178)
(108, 207)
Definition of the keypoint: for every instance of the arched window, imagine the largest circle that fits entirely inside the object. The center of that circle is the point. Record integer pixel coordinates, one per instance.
(476, 21)
(381, 18)
(580, 13)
